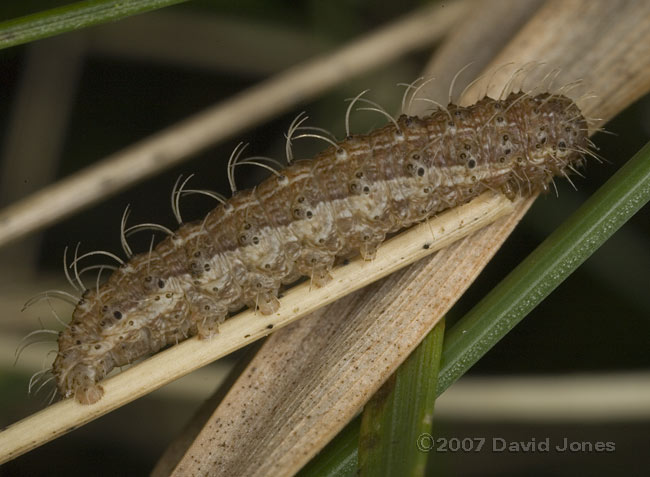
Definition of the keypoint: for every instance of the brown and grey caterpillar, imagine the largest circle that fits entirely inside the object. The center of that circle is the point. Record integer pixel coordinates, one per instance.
(300, 219)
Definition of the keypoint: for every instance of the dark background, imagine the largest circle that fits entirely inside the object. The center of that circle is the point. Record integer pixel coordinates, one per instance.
(596, 321)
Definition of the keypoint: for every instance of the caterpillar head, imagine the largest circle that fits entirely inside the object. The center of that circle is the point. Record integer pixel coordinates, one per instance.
(555, 144)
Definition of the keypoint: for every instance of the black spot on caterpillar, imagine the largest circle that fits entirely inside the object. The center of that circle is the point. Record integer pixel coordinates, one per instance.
(299, 220)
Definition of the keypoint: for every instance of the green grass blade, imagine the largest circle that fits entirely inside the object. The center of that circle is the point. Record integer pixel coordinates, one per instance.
(340, 457)
(527, 285)
(400, 412)
(72, 17)
(546, 267)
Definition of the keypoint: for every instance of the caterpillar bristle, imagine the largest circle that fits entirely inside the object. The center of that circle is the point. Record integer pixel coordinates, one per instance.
(73, 265)
(377, 108)
(37, 376)
(348, 111)
(105, 253)
(412, 89)
(234, 156)
(125, 245)
(148, 226)
(66, 272)
(316, 136)
(46, 295)
(293, 127)
(208, 193)
(25, 342)
(175, 197)
(261, 164)
(453, 82)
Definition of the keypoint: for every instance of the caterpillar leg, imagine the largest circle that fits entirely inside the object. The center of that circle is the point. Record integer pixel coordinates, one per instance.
(316, 265)
(509, 190)
(207, 312)
(267, 303)
(80, 383)
(368, 250)
(90, 394)
(320, 276)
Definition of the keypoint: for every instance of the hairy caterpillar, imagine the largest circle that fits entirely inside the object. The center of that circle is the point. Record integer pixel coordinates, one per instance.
(299, 220)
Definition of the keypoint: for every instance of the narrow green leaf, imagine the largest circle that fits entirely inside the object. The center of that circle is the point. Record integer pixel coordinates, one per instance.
(546, 267)
(72, 17)
(340, 457)
(401, 412)
(526, 286)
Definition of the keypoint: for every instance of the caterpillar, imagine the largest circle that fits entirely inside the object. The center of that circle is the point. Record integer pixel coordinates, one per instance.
(300, 219)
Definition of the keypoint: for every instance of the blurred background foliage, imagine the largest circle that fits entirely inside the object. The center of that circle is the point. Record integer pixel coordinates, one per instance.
(596, 321)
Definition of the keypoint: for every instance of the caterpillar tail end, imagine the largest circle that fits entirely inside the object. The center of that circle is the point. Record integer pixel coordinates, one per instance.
(79, 383)
(89, 395)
